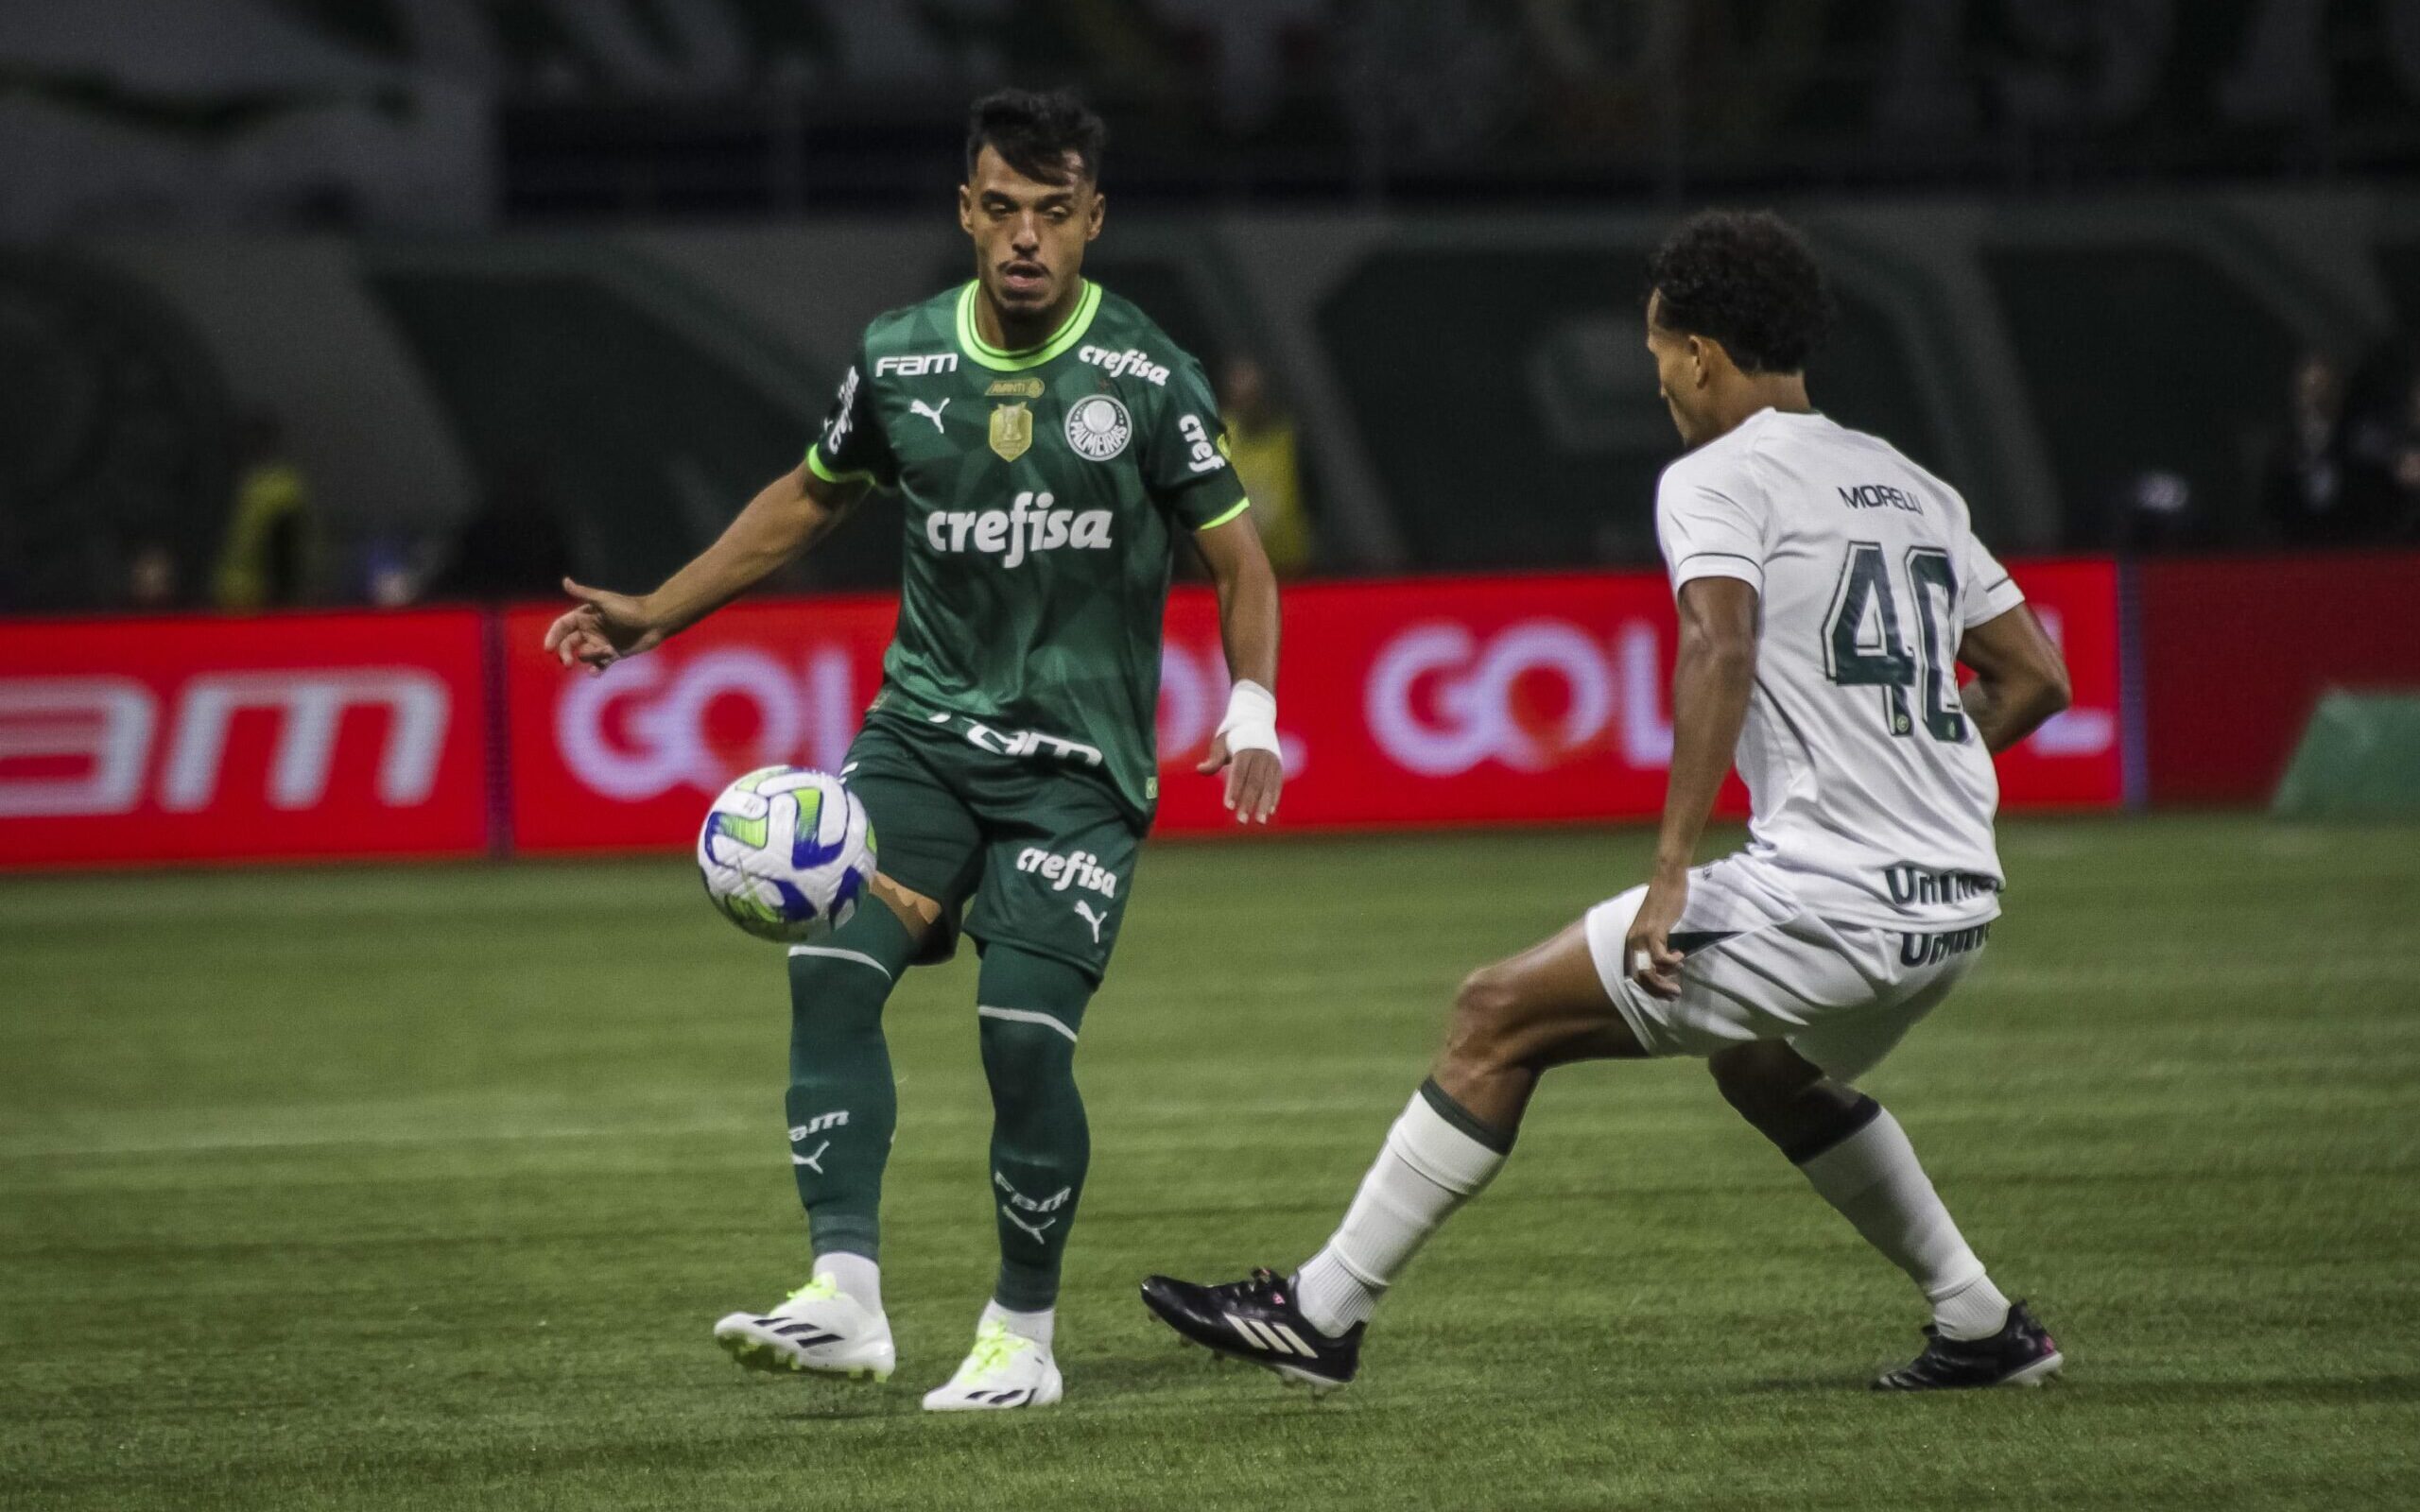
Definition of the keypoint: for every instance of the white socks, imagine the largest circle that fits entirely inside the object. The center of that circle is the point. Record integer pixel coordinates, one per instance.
(1874, 1178)
(1428, 1168)
(1039, 1327)
(859, 1279)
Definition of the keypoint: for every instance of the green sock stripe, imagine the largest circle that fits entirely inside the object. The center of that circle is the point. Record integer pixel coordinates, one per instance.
(1463, 1120)
(1029, 1008)
(842, 1107)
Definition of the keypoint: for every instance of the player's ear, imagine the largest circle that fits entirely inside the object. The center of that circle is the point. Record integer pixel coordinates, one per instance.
(966, 208)
(1092, 217)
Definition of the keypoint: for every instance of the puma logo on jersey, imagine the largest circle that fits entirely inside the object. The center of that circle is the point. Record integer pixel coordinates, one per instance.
(1084, 911)
(917, 365)
(1026, 527)
(930, 412)
(1081, 868)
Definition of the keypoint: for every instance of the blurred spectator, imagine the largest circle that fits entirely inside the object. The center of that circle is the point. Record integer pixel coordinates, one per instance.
(390, 573)
(2346, 470)
(265, 559)
(513, 548)
(151, 578)
(2381, 447)
(1261, 446)
(2302, 484)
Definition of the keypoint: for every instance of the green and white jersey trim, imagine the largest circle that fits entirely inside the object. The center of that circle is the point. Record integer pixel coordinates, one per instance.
(1000, 360)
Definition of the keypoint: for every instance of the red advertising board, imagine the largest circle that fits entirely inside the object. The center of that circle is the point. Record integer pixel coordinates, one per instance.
(1463, 701)
(628, 758)
(1405, 704)
(2077, 760)
(285, 736)
(2236, 653)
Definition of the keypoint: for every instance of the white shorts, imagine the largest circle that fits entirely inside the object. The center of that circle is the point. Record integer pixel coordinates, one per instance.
(1841, 995)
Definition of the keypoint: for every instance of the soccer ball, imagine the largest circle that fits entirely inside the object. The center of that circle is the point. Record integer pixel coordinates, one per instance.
(786, 853)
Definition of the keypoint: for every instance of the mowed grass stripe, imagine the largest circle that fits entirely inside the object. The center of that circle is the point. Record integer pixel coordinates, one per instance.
(418, 1187)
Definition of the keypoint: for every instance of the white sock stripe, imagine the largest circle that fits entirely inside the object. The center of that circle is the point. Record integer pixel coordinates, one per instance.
(1025, 1016)
(838, 954)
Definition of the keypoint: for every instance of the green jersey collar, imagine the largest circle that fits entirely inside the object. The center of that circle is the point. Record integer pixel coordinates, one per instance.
(999, 361)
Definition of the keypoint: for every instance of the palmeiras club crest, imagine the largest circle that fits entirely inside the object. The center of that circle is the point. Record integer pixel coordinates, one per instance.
(1099, 428)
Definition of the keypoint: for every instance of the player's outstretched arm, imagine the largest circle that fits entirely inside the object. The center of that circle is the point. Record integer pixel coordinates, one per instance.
(2020, 679)
(1246, 745)
(788, 516)
(1712, 678)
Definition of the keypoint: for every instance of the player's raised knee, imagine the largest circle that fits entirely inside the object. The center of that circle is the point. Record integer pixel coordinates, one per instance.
(1486, 1007)
(1488, 996)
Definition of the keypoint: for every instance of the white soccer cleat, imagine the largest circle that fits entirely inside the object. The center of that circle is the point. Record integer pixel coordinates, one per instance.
(1004, 1370)
(818, 1329)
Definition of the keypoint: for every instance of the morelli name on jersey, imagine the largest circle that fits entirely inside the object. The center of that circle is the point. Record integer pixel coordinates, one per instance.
(1871, 794)
(1041, 494)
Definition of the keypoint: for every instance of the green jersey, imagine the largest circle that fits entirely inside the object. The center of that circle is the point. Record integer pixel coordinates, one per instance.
(1042, 492)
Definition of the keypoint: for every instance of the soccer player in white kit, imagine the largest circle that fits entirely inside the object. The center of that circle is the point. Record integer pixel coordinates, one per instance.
(1827, 588)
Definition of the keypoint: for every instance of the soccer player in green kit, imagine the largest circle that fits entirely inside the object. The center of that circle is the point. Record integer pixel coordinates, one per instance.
(1048, 446)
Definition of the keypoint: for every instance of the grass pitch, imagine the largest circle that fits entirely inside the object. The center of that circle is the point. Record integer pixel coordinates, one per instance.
(419, 1188)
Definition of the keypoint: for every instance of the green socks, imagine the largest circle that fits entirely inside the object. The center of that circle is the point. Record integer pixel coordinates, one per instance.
(842, 1106)
(1030, 1007)
(843, 1109)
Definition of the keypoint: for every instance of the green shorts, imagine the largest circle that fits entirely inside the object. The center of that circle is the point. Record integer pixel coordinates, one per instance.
(1044, 849)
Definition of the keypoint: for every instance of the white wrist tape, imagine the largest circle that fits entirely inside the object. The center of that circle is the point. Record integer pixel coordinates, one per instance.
(1252, 719)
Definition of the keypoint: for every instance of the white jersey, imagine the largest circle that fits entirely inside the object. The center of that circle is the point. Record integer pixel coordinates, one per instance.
(1871, 793)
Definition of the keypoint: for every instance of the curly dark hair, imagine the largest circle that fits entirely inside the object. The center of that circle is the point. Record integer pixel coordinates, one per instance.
(1033, 132)
(1746, 280)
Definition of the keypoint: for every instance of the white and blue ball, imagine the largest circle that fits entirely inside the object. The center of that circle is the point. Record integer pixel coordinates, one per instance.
(786, 853)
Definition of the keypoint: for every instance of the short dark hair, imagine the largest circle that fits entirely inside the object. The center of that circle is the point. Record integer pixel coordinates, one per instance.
(1033, 132)
(1746, 280)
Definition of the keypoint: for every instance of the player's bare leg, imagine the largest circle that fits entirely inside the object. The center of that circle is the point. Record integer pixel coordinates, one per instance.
(842, 1110)
(1512, 1023)
(1858, 1159)
(1515, 1021)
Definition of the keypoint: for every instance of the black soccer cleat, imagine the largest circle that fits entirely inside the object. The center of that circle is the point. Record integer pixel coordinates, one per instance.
(2022, 1353)
(1256, 1320)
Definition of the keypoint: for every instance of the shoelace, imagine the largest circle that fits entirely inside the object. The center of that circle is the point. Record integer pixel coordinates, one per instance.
(1266, 1284)
(817, 1290)
(995, 1346)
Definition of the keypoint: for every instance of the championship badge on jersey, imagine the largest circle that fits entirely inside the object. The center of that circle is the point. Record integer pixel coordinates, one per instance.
(1011, 431)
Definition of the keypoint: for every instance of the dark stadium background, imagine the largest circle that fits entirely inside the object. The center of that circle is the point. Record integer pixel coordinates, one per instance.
(332, 332)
